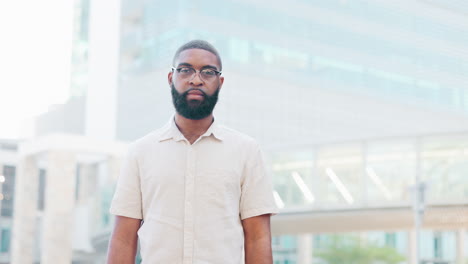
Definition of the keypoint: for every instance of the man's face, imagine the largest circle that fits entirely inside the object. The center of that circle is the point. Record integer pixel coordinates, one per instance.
(195, 95)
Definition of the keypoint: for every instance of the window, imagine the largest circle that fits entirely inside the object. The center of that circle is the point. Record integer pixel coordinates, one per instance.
(5, 239)
(77, 182)
(41, 193)
(390, 239)
(7, 190)
(437, 245)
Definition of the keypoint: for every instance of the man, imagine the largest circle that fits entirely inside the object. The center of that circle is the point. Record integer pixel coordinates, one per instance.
(200, 188)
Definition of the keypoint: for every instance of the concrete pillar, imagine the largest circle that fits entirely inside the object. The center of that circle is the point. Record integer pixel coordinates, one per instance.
(461, 238)
(87, 184)
(25, 211)
(304, 249)
(114, 169)
(59, 205)
(412, 247)
(90, 195)
(80, 185)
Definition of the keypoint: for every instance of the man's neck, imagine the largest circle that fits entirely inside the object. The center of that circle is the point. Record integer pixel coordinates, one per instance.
(193, 129)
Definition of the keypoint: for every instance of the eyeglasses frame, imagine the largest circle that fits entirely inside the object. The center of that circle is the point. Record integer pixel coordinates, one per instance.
(218, 73)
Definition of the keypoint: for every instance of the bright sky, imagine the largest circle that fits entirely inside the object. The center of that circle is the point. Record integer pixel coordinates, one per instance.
(35, 57)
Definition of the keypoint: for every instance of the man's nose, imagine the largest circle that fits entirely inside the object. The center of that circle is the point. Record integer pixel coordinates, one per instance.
(196, 79)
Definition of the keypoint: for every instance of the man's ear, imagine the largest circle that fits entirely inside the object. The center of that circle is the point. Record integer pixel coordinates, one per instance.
(169, 77)
(221, 81)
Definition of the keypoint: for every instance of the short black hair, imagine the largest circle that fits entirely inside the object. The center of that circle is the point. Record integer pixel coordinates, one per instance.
(198, 44)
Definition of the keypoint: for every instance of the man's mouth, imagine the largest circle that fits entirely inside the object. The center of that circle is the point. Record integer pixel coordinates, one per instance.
(196, 91)
(195, 95)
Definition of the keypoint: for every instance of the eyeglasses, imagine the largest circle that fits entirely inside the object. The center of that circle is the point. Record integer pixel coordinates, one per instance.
(205, 74)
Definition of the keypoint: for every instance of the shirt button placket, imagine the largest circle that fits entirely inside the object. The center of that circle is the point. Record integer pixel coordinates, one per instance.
(189, 210)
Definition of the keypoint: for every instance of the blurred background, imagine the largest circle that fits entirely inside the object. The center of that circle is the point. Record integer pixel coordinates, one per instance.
(361, 107)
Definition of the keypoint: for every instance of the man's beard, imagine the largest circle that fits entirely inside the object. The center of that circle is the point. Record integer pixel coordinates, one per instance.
(194, 109)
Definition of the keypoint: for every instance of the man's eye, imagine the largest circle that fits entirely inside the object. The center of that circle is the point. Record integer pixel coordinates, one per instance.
(209, 72)
(184, 70)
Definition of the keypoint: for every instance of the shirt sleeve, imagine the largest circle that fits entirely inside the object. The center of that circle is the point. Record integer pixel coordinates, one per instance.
(127, 196)
(257, 190)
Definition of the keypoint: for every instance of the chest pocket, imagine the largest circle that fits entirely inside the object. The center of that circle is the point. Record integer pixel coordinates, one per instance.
(218, 191)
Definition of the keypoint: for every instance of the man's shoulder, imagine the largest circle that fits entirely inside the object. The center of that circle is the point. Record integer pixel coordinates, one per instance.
(147, 140)
(236, 136)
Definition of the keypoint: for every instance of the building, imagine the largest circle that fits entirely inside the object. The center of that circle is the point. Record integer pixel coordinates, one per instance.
(333, 89)
(8, 164)
(353, 102)
(364, 188)
(63, 189)
(321, 72)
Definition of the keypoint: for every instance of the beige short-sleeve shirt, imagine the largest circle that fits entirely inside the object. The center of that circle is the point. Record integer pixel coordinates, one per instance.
(192, 198)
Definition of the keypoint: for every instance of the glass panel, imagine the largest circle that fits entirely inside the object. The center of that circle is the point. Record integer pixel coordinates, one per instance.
(293, 178)
(390, 170)
(5, 242)
(284, 250)
(340, 174)
(444, 165)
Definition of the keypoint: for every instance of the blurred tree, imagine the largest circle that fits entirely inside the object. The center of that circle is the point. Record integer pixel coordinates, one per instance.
(354, 250)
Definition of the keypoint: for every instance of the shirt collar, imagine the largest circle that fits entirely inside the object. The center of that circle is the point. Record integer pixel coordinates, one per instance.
(171, 131)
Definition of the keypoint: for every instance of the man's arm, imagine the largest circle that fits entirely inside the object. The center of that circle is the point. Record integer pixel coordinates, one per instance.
(124, 240)
(257, 239)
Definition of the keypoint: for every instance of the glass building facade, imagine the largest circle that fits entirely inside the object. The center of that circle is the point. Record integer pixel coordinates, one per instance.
(364, 90)
(372, 172)
(79, 74)
(381, 52)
